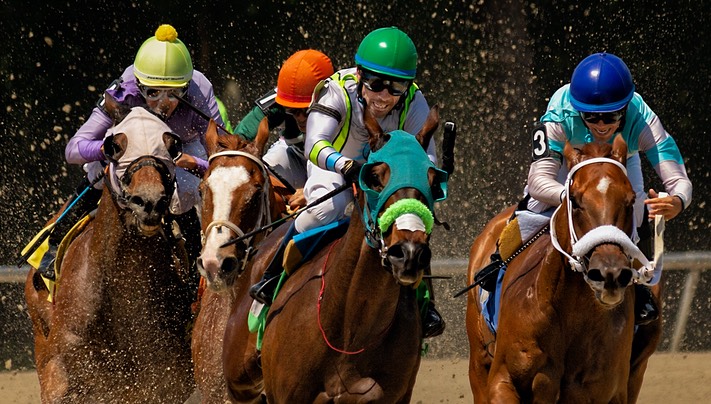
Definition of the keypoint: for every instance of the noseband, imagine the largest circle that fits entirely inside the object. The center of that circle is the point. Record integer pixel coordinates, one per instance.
(123, 196)
(264, 207)
(599, 235)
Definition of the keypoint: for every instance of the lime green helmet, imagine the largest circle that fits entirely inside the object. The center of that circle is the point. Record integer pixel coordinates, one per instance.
(163, 60)
(388, 51)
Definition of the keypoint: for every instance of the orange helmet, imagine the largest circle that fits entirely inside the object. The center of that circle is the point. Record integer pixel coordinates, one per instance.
(299, 75)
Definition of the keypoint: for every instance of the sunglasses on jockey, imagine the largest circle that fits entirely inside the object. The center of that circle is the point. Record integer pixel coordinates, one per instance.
(376, 83)
(606, 117)
(157, 93)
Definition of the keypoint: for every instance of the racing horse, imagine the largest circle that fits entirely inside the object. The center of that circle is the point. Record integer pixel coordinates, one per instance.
(117, 330)
(238, 197)
(346, 326)
(566, 324)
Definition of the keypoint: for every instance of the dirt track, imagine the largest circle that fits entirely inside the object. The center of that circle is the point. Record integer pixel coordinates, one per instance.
(670, 379)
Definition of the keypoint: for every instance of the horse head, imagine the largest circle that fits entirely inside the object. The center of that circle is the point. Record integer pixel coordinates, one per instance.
(401, 184)
(598, 220)
(236, 199)
(141, 150)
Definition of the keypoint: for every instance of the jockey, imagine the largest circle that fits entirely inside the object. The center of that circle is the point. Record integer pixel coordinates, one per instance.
(288, 104)
(599, 103)
(336, 140)
(162, 70)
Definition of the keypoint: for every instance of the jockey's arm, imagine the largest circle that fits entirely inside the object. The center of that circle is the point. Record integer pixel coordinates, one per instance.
(320, 130)
(85, 145)
(543, 184)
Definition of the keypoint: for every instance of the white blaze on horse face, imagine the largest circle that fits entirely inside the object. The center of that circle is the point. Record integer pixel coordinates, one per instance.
(603, 185)
(410, 221)
(222, 183)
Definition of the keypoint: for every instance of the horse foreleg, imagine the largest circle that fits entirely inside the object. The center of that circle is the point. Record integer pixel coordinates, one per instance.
(481, 349)
(644, 344)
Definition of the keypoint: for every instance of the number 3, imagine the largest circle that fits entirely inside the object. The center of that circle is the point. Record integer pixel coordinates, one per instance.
(540, 143)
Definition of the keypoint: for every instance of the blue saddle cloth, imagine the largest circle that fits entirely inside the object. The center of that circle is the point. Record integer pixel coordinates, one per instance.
(491, 303)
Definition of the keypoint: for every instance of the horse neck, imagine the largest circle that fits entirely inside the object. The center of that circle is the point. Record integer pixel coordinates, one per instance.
(117, 249)
(368, 292)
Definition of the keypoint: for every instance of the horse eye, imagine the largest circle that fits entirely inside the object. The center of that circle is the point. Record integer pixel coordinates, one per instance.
(574, 202)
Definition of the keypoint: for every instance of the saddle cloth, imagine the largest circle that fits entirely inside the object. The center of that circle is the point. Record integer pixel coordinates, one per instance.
(520, 229)
(36, 258)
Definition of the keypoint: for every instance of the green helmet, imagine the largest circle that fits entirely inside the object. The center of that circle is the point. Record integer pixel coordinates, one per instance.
(388, 51)
(163, 60)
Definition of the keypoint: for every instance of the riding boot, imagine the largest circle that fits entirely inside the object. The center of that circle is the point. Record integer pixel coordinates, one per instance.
(190, 229)
(83, 206)
(488, 276)
(263, 291)
(432, 324)
(645, 306)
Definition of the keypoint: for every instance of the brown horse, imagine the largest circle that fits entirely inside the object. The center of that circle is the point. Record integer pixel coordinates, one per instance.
(565, 336)
(238, 197)
(346, 326)
(118, 328)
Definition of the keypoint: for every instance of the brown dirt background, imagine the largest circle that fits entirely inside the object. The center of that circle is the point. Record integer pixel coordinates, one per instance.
(671, 378)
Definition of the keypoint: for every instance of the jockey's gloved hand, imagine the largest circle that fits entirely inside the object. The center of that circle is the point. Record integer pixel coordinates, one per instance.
(351, 171)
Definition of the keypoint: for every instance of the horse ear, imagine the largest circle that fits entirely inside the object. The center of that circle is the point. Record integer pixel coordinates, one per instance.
(262, 136)
(429, 128)
(115, 146)
(211, 137)
(174, 144)
(571, 154)
(619, 149)
(375, 132)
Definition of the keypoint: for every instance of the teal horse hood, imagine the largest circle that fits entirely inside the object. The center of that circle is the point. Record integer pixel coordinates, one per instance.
(409, 167)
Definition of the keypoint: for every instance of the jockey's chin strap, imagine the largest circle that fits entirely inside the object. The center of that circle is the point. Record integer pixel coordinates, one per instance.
(647, 274)
(264, 207)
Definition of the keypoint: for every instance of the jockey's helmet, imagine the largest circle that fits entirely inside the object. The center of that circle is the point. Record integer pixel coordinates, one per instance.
(601, 83)
(299, 75)
(163, 60)
(388, 51)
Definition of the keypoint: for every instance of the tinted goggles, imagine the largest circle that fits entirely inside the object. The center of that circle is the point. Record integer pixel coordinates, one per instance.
(377, 84)
(156, 93)
(606, 117)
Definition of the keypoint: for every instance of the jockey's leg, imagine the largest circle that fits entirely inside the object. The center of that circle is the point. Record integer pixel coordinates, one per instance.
(645, 305)
(263, 291)
(432, 323)
(84, 205)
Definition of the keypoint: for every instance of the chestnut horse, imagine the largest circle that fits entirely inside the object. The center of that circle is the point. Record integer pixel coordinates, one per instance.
(346, 326)
(565, 336)
(118, 328)
(237, 198)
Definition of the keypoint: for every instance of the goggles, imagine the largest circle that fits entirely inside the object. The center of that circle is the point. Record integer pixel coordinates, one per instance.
(295, 111)
(156, 93)
(377, 84)
(606, 117)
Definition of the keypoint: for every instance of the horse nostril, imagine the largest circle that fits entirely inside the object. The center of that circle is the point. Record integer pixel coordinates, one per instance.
(396, 253)
(595, 275)
(625, 277)
(424, 256)
(136, 200)
(229, 264)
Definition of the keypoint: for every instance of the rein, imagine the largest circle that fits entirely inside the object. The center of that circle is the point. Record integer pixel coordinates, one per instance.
(318, 309)
(580, 247)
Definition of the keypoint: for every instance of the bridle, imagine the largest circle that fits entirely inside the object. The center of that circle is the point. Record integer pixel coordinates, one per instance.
(264, 207)
(580, 247)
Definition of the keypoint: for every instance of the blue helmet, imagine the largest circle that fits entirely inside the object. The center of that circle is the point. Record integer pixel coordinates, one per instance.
(601, 83)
